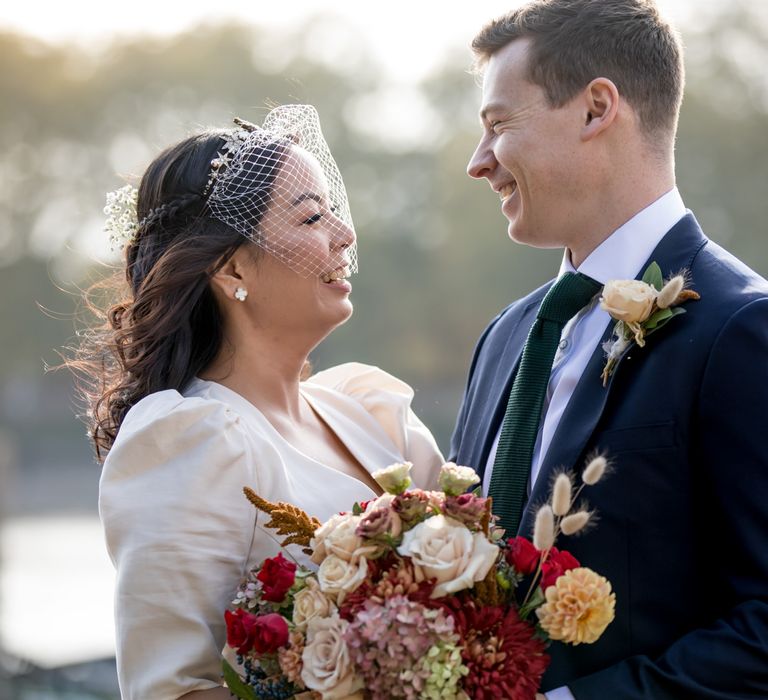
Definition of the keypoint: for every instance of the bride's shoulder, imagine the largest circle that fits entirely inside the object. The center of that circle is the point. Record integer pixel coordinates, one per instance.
(169, 409)
(168, 427)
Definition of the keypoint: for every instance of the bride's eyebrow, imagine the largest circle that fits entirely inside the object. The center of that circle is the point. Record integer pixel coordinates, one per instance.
(308, 195)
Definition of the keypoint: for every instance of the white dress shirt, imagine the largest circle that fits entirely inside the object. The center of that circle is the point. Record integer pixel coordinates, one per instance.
(620, 256)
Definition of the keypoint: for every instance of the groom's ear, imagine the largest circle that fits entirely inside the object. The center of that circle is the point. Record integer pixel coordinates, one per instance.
(601, 104)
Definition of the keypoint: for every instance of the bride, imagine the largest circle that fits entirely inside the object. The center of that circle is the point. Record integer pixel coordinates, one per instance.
(237, 263)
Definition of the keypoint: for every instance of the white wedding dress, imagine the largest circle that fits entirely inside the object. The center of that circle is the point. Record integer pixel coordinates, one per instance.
(182, 534)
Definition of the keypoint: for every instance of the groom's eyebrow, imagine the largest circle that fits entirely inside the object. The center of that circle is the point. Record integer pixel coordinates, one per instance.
(491, 108)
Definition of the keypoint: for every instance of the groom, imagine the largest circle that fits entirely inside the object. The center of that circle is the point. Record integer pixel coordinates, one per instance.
(579, 111)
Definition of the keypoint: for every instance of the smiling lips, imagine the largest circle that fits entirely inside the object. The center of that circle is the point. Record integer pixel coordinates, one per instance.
(335, 275)
(507, 190)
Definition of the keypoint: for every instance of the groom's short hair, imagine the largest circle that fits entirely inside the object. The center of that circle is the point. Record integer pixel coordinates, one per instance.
(575, 41)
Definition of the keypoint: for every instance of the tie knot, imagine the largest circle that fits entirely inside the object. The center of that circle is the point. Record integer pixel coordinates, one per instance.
(566, 297)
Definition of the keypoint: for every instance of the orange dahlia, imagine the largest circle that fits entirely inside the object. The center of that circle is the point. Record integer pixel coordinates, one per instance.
(578, 608)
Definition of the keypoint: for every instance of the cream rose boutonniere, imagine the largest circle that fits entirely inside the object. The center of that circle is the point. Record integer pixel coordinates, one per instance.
(640, 307)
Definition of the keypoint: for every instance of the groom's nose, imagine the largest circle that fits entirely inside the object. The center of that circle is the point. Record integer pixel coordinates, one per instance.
(483, 161)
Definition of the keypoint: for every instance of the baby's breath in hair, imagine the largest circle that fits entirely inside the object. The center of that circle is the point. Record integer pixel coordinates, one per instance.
(122, 222)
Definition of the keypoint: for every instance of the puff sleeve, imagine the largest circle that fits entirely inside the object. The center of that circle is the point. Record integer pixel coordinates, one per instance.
(179, 537)
(388, 400)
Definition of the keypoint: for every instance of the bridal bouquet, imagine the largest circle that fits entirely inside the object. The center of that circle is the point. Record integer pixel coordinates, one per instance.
(416, 595)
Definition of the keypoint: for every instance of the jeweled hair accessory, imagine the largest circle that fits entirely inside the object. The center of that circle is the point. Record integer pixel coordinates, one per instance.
(278, 185)
(120, 210)
(232, 142)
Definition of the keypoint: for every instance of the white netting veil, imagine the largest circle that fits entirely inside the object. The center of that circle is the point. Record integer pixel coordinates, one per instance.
(278, 185)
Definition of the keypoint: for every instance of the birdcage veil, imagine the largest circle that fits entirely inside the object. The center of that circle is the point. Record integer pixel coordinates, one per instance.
(278, 185)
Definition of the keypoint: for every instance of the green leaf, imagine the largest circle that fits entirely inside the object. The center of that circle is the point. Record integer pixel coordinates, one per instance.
(356, 509)
(676, 311)
(653, 276)
(657, 318)
(235, 684)
(536, 600)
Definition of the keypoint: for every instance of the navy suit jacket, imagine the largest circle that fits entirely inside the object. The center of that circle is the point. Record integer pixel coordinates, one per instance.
(683, 517)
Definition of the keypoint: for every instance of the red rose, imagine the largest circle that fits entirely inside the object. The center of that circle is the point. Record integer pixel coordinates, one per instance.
(263, 634)
(239, 627)
(270, 633)
(522, 555)
(556, 565)
(277, 576)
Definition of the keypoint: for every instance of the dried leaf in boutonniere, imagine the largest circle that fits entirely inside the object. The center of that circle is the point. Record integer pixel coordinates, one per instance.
(640, 307)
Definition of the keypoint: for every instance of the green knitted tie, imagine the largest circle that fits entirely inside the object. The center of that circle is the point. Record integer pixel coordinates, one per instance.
(512, 465)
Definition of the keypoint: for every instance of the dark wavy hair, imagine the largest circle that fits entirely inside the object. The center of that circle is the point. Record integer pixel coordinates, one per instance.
(166, 326)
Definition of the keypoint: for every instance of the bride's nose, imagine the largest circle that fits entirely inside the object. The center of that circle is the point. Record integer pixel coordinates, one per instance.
(342, 234)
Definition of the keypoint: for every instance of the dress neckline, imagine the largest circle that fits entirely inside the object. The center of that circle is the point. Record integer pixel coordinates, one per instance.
(352, 432)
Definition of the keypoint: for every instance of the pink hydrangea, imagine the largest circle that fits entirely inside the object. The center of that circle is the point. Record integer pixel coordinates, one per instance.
(387, 642)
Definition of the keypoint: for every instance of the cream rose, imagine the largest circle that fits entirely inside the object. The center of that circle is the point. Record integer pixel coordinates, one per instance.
(455, 480)
(336, 536)
(395, 478)
(383, 501)
(444, 549)
(337, 576)
(343, 540)
(435, 500)
(309, 603)
(326, 665)
(628, 300)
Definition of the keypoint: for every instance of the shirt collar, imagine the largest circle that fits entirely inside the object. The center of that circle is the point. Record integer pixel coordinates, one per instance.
(623, 254)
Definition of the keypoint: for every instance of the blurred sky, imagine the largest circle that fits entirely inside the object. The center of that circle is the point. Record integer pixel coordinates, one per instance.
(409, 38)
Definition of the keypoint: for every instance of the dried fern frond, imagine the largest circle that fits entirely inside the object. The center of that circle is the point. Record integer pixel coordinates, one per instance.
(285, 519)
(485, 519)
(487, 591)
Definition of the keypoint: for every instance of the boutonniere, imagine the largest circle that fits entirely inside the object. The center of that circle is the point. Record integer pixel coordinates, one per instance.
(640, 308)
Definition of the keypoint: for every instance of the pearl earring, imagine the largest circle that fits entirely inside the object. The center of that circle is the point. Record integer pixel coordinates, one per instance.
(241, 293)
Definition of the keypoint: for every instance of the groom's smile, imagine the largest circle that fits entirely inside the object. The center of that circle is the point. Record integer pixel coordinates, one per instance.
(529, 152)
(507, 190)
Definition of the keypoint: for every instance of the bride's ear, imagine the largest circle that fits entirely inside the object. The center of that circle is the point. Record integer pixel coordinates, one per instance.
(601, 104)
(229, 277)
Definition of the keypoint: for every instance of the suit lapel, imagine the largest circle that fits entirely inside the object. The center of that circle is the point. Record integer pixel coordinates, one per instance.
(497, 384)
(674, 252)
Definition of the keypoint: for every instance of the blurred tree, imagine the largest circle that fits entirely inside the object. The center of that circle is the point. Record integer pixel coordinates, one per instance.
(436, 263)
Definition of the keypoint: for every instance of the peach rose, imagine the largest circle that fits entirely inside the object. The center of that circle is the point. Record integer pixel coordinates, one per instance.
(630, 301)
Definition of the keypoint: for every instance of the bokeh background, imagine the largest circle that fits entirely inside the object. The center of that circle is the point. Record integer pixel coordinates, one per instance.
(88, 93)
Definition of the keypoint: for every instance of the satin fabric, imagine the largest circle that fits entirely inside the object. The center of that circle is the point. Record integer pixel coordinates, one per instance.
(180, 531)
